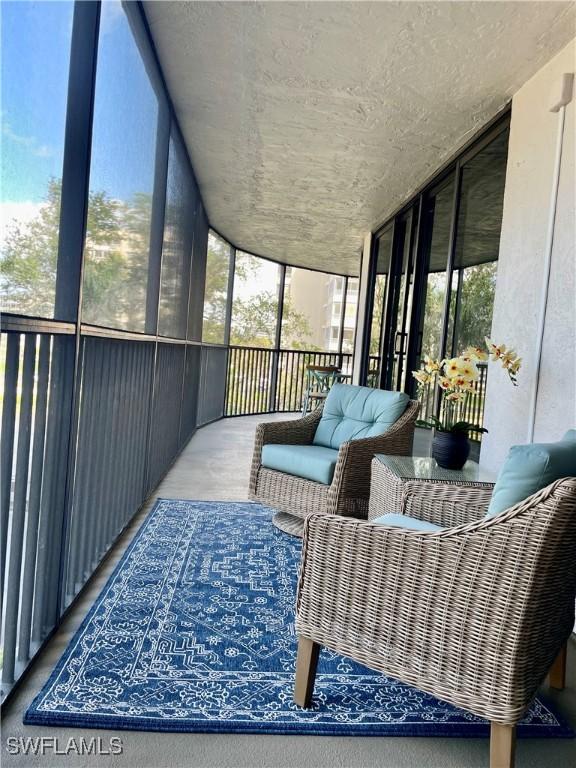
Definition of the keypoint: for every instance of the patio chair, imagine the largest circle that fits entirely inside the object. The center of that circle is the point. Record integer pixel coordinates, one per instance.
(476, 614)
(321, 462)
(319, 380)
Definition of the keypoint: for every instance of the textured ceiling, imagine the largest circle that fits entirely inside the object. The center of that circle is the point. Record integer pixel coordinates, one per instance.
(308, 123)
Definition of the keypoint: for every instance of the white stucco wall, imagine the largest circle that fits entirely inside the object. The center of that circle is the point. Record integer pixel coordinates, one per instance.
(529, 178)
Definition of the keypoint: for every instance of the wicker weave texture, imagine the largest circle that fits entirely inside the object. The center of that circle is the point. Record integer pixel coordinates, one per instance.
(444, 503)
(474, 615)
(349, 491)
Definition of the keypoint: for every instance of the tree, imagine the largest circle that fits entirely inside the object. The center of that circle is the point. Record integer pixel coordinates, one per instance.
(377, 314)
(253, 318)
(476, 305)
(433, 314)
(28, 261)
(216, 290)
(115, 269)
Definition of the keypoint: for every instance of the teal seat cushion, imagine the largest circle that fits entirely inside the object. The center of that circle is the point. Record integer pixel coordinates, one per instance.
(351, 413)
(529, 468)
(403, 521)
(570, 435)
(312, 462)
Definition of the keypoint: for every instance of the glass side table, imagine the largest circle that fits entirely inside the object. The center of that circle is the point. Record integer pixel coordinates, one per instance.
(457, 496)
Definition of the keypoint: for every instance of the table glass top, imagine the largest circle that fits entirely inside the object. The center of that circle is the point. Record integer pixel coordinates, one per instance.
(426, 468)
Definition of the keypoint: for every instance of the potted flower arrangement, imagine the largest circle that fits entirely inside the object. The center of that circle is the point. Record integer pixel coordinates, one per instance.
(457, 378)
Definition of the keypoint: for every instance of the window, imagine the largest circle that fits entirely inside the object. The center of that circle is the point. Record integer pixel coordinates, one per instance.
(255, 304)
(177, 244)
(308, 315)
(350, 315)
(384, 256)
(121, 179)
(216, 290)
(477, 245)
(441, 270)
(34, 96)
(440, 215)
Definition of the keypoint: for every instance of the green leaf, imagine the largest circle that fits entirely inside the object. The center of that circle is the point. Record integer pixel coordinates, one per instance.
(466, 426)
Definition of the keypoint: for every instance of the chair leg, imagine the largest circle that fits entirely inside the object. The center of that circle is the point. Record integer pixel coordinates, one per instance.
(502, 745)
(306, 664)
(557, 674)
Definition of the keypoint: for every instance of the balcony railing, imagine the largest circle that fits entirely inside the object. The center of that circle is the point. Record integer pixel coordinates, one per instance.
(473, 409)
(263, 380)
(87, 434)
(272, 380)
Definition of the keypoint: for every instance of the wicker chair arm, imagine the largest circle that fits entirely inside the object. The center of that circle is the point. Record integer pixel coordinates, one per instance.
(446, 504)
(292, 432)
(463, 614)
(352, 473)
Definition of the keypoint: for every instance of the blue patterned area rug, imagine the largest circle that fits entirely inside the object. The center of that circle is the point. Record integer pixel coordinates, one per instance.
(194, 631)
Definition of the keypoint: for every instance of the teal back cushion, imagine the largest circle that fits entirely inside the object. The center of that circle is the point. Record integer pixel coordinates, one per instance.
(570, 435)
(351, 413)
(529, 468)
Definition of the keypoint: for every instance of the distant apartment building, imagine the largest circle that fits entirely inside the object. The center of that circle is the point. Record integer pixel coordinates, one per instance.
(320, 298)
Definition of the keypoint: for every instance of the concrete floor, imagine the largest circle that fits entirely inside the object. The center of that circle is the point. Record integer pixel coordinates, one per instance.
(215, 465)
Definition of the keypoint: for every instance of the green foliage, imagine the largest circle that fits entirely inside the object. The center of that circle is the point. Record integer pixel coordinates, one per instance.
(254, 318)
(115, 270)
(254, 322)
(475, 311)
(477, 304)
(434, 312)
(379, 296)
(28, 262)
(465, 427)
(216, 291)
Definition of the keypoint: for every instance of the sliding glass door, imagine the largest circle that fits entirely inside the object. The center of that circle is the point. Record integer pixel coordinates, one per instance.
(393, 290)
(381, 272)
(477, 241)
(433, 269)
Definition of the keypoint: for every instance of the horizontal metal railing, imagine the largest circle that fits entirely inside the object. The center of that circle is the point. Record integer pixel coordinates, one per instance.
(89, 427)
(472, 410)
(264, 380)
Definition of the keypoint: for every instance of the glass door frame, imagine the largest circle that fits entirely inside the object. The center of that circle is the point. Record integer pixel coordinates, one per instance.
(421, 232)
(393, 347)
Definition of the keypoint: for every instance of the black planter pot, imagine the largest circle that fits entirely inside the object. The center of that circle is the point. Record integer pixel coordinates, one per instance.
(450, 449)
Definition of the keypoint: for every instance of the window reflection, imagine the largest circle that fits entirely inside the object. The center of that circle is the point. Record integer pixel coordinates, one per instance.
(216, 289)
(34, 94)
(440, 216)
(121, 179)
(177, 244)
(384, 257)
(477, 245)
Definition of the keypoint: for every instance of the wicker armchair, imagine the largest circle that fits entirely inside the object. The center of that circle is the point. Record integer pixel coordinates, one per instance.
(476, 614)
(295, 498)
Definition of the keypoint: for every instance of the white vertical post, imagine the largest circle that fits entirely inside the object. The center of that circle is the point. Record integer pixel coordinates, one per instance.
(559, 103)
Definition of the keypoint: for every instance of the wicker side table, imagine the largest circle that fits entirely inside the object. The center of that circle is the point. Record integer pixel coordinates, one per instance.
(396, 478)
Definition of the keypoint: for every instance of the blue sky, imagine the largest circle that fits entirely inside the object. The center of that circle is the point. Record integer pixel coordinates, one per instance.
(35, 62)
